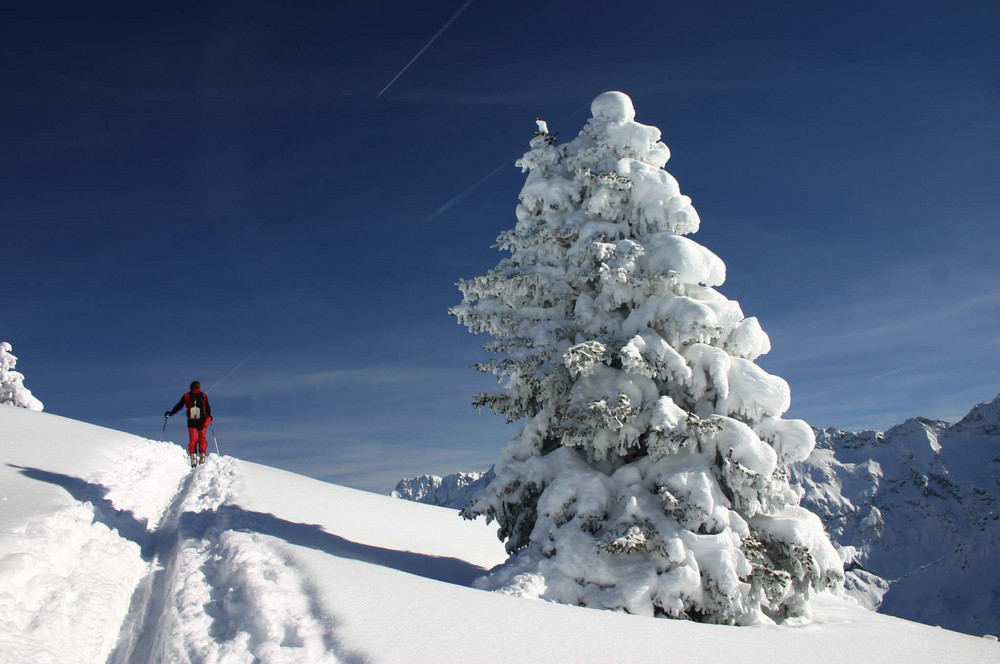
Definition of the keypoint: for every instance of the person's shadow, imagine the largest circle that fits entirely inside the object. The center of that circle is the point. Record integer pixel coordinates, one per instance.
(234, 517)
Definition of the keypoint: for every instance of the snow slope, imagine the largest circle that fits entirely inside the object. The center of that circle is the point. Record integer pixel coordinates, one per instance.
(111, 549)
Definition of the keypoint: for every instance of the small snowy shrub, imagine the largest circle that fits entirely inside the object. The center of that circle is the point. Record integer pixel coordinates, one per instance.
(12, 389)
(649, 474)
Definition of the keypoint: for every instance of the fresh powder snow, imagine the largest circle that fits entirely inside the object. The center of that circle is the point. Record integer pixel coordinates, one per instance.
(112, 549)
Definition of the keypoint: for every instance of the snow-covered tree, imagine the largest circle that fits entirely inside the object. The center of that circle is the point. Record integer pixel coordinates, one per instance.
(12, 389)
(650, 472)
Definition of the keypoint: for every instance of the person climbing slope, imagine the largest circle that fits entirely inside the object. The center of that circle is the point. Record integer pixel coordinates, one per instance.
(199, 415)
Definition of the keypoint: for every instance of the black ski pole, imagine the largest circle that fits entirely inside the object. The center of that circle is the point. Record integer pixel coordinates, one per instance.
(165, 418)
(215, 440)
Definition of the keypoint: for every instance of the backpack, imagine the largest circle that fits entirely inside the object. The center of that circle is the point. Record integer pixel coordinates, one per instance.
(195, 405)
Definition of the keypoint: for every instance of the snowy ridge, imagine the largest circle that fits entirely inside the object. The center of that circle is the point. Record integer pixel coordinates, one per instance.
(916, 513)
(453, 491)
(982, 420)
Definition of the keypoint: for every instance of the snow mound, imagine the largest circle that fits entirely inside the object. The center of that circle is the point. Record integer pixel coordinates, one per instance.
(72, 549)
(613, 107)
(65, 582)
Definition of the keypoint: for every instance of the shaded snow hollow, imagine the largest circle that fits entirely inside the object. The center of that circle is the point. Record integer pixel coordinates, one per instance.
(111, 549)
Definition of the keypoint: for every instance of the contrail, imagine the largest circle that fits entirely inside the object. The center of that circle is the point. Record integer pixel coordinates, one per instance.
(896, 371)
(234, 370)
(457, 197)
(454, 200)
(462, 194)
(421, 51)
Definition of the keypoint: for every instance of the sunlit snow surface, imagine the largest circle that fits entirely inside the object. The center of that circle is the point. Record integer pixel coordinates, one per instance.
(112, 549)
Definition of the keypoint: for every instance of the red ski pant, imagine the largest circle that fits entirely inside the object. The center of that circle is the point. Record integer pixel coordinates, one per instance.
(198, 442)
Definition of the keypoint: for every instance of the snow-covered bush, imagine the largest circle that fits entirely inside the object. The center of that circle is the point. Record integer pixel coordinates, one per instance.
(649, 474)
(12, 389)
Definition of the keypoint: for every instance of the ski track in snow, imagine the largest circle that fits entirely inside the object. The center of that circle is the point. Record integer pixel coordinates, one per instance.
(57, 589)
(217, 594)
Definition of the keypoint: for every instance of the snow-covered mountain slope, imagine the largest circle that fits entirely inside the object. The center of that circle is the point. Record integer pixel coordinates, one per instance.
(111, 549)
(918, 506)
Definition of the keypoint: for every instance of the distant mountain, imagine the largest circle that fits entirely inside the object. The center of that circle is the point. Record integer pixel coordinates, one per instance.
(914, 511)
(454, 491)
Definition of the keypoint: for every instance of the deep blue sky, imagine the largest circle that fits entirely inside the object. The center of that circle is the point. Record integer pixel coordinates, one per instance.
(184, 185)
